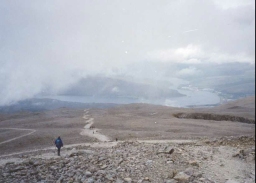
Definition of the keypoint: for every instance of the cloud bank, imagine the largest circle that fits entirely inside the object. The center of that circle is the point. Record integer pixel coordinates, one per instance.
(193, 54)
(51, 44)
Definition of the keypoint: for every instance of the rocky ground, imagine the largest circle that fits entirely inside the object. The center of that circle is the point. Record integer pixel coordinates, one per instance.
(136, 143)
(220, 160)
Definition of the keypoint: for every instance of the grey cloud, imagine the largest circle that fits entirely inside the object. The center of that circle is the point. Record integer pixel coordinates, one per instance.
(52, 44)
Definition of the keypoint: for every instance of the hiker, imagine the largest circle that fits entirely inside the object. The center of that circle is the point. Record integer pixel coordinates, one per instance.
(59, 144)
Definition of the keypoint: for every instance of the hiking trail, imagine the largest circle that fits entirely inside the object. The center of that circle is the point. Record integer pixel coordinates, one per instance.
(15, 138)
(92, 132)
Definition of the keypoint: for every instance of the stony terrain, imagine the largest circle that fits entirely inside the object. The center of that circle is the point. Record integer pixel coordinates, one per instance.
(131, 143)
(219, 160)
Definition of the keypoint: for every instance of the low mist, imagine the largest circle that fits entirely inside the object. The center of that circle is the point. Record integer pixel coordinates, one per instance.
(138, 49)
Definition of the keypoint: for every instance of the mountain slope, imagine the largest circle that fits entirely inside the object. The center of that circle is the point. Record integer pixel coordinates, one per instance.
(110, 87)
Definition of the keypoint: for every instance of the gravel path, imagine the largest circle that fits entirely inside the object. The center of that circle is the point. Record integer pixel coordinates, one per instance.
(31, 132)
(92, 132)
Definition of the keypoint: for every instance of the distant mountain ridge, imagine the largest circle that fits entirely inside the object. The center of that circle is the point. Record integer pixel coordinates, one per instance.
(36, 104)
(111, 87)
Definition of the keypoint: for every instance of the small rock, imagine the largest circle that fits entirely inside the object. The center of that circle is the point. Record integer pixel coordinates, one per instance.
(16, 169)
(182, 177)
(167, 150)
(198, 175)
(170, 181)
(129, 180)
(231, 181)
(194, 163)
(59, 180)
(202, 179)
(189, 171)
(90, 180)
(169, 161)
(119, 181)
(109, 177)
(149, 162)
(172, 174)
(88, 174)
(103, 167)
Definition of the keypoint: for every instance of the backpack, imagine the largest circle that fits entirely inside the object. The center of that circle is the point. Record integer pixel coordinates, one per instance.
(58, 142)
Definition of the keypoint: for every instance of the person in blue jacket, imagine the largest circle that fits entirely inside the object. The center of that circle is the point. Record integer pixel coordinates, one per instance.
(59, 144)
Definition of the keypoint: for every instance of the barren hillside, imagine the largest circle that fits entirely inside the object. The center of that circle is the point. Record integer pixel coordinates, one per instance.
(141, 143)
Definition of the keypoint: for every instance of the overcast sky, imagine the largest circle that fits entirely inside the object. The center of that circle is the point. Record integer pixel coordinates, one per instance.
(52, 43)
